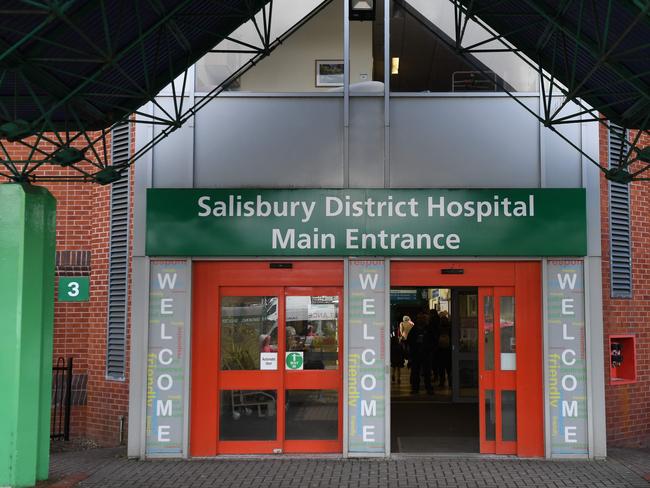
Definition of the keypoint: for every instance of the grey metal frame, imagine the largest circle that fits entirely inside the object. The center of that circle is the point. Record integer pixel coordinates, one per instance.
(387, 382)
(139, 347)
(456, 355)
(546, 369)
(346, 352)
(187, 363)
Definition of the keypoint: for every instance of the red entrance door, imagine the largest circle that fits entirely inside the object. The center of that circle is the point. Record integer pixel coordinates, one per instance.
(510, 345)
(497, 371)
(267, 360)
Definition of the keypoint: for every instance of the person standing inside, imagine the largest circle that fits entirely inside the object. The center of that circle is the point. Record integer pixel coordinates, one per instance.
(396, 356)
(404, 328)
(443, 355)
(434, 324)
(420, 344)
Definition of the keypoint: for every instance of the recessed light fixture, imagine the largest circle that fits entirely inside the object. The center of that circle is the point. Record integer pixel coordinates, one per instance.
(362, 9)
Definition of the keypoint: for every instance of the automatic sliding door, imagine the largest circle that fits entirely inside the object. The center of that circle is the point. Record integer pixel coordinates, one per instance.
(312, 378)
(464, 345)
(497, 370)
(250, 380)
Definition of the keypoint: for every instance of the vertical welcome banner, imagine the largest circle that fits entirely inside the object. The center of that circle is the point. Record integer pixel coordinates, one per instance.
(567, 372)
(166, 358)
(366, 357)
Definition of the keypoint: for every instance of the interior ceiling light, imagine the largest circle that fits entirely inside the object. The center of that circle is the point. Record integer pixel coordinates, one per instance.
(362, 9)
(394, 66)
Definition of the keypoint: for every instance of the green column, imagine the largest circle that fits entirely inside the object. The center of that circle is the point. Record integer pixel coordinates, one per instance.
(27, 246)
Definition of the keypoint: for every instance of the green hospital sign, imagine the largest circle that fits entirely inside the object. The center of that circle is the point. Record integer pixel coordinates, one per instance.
(375, 222)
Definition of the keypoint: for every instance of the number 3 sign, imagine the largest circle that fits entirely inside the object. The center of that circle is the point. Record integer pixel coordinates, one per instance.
(74, 288)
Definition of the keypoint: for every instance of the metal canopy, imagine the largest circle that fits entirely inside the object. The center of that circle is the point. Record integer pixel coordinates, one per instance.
(71, 69)
(85, 65)
(598, 49)
(593, 61)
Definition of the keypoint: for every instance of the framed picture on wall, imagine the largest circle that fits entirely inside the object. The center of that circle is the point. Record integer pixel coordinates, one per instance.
(329, 72)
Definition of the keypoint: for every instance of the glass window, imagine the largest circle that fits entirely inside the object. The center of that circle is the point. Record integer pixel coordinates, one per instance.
(312, 328)
(293, 66)
(468, 323)
(509, 415)
(312, 414)
(490, 416)
(248, 327)
(248, 415)
(507, 333)
(488, 332)
(422, 32)
(467, 379)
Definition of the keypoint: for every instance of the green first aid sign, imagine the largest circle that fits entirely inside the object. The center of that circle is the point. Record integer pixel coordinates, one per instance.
(74, 288)
(373, 222)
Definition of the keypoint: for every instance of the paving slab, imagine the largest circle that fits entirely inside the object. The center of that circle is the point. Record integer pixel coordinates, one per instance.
(111, 468)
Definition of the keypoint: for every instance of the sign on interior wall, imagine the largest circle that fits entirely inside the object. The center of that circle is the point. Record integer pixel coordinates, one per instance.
(166, 358)
(366, 357)
(374, 222)
(567, 374)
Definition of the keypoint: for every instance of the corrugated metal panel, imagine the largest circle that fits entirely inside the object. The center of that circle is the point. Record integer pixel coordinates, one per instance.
(118, 259)
(619, 219)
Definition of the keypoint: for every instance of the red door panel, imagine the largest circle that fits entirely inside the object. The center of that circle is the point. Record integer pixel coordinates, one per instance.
(322, 346)
(229, 390)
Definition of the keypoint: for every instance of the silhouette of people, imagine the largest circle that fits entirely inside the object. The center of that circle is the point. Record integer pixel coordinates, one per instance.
(434, 323)
(403, 331)
(421, 342)
(404, 327)
(396, 356)
(443, 356)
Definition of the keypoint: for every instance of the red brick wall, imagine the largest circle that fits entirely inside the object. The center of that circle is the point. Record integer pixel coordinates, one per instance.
(83, 224)
(628, 405)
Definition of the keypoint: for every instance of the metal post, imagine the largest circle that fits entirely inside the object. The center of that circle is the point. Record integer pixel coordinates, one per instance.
(68, 400)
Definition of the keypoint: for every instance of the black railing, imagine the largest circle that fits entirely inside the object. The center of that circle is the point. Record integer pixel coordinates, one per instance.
(61, 399)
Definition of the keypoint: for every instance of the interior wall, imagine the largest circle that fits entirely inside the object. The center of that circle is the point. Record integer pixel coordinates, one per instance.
(506, 65)
(292, 66)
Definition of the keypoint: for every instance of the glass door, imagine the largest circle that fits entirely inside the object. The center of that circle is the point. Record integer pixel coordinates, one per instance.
(280, 370)
(250, 374)
(497, 370)
(464, 345)
(312, 370)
